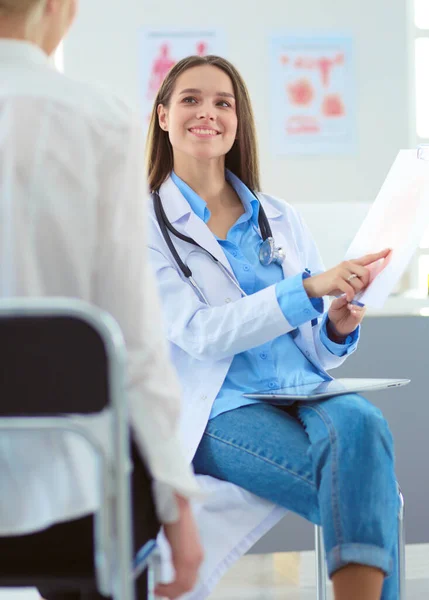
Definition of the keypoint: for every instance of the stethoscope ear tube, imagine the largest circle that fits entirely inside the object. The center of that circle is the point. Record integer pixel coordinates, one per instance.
(164, 225)
(268, 252)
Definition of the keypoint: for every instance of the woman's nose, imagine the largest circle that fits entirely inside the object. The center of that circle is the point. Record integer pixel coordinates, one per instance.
(206, 111)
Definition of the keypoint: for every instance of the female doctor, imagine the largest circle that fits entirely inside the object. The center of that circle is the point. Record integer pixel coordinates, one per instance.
(242, 287)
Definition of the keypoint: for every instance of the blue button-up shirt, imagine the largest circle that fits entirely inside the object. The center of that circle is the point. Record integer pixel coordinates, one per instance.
(278, 363)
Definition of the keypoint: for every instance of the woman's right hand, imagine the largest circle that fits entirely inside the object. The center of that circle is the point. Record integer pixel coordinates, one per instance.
(349, 278)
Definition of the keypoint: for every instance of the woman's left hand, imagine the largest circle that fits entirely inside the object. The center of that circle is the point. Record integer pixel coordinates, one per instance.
(344, 318)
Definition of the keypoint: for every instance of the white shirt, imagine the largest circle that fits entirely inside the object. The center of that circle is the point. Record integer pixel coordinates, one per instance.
(73, 223)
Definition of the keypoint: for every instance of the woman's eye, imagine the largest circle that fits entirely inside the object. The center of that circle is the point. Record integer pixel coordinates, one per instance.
(224, 103)
(189, 100)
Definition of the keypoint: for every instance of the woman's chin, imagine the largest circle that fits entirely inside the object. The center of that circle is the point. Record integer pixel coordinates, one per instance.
(204, 154)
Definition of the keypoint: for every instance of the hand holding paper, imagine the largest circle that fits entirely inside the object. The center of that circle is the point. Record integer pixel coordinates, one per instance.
(348, 278)
(344, 280)
(397, 220)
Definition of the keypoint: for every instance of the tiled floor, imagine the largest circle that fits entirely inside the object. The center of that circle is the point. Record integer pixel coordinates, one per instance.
(255, 577)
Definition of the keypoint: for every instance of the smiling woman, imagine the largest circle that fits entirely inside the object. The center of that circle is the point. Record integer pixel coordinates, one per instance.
(201, 123)
(241, 315)
(219, 106)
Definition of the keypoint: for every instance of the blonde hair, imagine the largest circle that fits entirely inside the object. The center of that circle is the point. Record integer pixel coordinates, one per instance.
(31, 9)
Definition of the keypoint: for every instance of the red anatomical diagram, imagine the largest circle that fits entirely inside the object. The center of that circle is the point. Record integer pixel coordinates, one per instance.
(333, 106)
(326, 65)
(301, 92)
(302, 124)
(160, 67)
(201, 49)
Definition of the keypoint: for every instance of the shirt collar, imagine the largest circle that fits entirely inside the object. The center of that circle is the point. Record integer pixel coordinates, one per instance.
(249, 200)
(199, 206)
(195, 201)
(22, 51)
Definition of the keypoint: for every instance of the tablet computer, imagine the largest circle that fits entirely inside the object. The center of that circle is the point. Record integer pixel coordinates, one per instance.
(326, 389)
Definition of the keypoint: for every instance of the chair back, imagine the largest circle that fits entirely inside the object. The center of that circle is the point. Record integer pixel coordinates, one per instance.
(51, 365)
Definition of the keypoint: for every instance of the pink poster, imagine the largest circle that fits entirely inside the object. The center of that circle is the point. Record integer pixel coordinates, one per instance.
(161, 49)
(312, 95)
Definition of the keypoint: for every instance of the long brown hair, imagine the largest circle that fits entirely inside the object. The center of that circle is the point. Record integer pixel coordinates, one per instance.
(242, 159)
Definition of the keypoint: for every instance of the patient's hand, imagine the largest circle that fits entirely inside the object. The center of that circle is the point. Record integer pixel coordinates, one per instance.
(186, 551)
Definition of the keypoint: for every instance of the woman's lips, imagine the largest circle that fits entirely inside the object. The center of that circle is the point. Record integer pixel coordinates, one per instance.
(203, 132)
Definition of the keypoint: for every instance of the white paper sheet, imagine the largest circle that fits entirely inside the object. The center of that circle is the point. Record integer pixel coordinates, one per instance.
(397, 219)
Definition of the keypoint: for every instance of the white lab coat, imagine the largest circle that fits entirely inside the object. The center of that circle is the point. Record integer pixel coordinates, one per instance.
(204, 340)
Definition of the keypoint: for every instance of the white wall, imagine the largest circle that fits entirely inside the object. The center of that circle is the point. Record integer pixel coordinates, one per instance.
(103, 47)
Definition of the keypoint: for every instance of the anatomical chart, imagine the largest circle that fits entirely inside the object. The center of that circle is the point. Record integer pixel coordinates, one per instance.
(312, 94)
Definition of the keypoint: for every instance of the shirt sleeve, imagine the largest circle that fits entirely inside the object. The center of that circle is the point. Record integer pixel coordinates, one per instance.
(125, 287)
(294, 302)
(343, 349)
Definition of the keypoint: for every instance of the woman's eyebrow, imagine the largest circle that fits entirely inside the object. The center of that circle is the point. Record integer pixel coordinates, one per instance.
(197, 91)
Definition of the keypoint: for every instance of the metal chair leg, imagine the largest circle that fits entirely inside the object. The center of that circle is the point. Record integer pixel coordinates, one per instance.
(153, 566)
(401, 547)
(321, 571)
(150, 581)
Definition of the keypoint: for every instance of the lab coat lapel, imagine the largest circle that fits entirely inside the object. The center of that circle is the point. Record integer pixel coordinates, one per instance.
(196, 229)
(283, 238)
(181, 216)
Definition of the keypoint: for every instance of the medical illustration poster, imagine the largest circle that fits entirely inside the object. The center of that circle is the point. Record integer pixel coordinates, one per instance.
(161, 49)
(312, 94)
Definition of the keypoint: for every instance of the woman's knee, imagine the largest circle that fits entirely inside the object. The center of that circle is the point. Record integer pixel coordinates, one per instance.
(356, 420)
(350, 421)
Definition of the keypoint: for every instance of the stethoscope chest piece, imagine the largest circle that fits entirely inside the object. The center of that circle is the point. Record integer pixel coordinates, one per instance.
(269, 254)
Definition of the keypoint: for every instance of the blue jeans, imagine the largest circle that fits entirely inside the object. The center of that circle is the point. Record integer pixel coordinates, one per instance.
(331, 462)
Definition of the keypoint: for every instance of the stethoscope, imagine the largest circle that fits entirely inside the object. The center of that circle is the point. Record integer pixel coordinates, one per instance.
(268, 253)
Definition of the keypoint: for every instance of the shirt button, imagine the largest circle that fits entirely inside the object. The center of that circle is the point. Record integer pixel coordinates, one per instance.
(234, 253)
(263, 355)
(307, 312)
(227, 300)
(307, 353)
(246, 268)
(271, 385)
